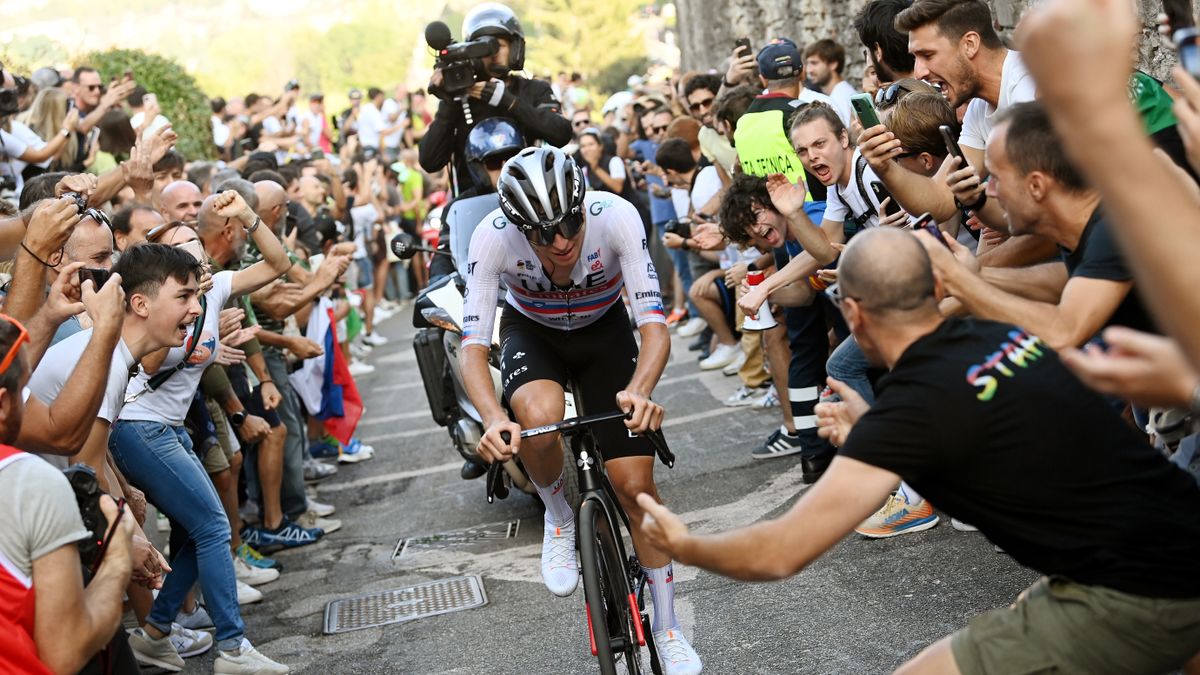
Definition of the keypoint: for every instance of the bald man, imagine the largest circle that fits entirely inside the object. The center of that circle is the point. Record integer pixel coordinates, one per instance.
(984, 420)
(273, 203)
(180, 200)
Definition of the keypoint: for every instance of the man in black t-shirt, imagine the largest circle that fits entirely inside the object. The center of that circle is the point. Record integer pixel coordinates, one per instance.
(984, 420)
(1065, 302)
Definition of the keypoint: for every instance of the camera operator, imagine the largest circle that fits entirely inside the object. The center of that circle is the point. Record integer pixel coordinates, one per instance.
(530, 103)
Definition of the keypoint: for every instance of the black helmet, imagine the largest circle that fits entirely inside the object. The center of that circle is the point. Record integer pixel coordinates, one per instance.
(495, 138)
(541, 193)
(496, 20)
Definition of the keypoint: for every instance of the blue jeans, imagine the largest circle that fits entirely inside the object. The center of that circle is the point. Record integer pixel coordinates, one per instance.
(683, 267)
(158, 460)
(848, 364)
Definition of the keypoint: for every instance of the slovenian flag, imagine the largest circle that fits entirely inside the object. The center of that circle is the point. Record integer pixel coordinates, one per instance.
(324, 382)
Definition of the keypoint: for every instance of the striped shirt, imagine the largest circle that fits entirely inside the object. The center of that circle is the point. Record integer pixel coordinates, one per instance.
(613, 255)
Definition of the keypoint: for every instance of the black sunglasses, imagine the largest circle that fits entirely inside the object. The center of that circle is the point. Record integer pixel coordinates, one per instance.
(701, 105)
(658, 130)
(568, 225)
(94, 87)
(889, 96)
(581, 123)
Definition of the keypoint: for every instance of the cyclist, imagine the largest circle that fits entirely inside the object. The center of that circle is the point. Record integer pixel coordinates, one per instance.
(564, 256)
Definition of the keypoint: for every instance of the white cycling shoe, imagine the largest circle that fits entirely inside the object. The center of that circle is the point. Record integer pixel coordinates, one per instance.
(560, 570)
(676, 654)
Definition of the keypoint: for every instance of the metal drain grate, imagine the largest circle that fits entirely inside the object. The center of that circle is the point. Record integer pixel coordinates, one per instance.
(470, 535)
(404, 604)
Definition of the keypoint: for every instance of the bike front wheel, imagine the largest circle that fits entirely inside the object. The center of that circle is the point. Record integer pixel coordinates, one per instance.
(614, 625)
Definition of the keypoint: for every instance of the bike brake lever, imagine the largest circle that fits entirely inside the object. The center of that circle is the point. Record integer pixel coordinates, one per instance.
(660, 446)
(493, 481)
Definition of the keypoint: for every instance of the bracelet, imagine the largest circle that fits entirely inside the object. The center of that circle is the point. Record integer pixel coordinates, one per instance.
(685, 246)
(266, 381)
(979, 203)
(35, 256)
(727, 83)
(252, 228)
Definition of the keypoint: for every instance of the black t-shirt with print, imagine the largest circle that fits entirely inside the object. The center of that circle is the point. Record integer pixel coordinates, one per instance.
(985, 422)
(1099, 257)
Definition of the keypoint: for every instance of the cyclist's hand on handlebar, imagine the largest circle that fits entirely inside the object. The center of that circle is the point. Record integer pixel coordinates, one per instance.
(644, 414)
(493, 447)
(664, 529)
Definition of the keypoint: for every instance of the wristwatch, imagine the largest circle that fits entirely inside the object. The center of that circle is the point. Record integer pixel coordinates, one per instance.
(237, 419)
(252, 228)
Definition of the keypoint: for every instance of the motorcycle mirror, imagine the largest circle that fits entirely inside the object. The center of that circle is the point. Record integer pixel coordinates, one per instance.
(403, 247)
(440, 318)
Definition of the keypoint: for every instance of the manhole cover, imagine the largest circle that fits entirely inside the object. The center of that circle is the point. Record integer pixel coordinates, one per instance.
(470, 535)
(404, 604)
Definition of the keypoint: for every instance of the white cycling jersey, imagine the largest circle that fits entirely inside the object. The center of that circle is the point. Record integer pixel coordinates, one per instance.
(613, 255)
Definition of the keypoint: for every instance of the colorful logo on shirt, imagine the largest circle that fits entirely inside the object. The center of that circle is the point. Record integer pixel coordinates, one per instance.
(597, 266)
(594, 256)
(1017, 353)
(204, 350)
(597, 207)
(499, 222)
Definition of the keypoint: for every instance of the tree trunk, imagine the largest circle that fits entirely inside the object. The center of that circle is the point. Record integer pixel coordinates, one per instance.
(707, 29)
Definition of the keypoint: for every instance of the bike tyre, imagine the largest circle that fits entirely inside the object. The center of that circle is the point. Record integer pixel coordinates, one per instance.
(605, 589)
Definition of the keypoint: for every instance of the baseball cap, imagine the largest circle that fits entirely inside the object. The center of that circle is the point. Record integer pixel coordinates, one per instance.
(46, 77)
(779, 59)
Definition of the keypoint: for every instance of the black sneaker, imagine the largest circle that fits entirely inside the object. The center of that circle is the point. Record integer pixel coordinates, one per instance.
(779, 444)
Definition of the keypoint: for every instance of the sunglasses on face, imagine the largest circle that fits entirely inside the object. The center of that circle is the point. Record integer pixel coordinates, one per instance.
(568, 226)
(580, 123)
(658, 130)
(15, 349)
(701, 105)
(94, 87)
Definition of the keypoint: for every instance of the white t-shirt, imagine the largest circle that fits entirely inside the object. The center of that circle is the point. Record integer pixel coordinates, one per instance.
(809, 96)
(370, 123)
(158, 123)
(30, 138)
(220, 130)
(364, 218)
(708, 184)
(391, 115)
(56, 367)
(616, 168)
(842, 91)
(13, 147)
(272, 126)
(844, 203)
(170, 402)
(315, 121)
(1016, 86)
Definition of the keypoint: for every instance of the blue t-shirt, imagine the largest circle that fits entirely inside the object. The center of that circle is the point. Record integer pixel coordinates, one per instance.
(65, 330)
(661, 210)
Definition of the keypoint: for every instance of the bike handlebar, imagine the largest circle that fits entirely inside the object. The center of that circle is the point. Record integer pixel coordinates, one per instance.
(495, 486)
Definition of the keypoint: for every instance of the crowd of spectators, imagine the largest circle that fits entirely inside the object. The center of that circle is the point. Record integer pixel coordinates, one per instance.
(183, 333)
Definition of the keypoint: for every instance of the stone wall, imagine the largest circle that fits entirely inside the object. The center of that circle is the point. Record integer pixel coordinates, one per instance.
(707, 28)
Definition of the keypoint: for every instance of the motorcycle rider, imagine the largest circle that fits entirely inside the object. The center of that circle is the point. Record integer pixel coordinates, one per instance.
(564, 255)
(489, 144)
(529, 103)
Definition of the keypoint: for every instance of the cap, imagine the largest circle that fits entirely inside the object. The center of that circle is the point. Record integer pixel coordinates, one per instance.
(779, 59)
(46, 77)
(354, 93)
(316, 97)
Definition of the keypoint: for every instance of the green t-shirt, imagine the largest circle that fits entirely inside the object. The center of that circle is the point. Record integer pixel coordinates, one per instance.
(1152, 101)
(411, 181)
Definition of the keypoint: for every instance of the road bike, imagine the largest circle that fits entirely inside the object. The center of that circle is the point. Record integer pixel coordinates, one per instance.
(613, 580)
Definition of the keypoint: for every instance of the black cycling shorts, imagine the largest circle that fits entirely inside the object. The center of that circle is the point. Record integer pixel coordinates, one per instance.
(598, 359)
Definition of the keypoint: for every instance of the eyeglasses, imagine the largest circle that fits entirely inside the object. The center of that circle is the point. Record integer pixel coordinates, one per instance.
(94, 87)
(581, 123)
(23, 337)
(834, 293)
(699, 106)
(496, 162)
(889, 96)
(568, 225)
(657, 130)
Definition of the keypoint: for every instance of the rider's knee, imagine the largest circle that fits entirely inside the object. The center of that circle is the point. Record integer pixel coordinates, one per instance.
(630, 486)
(538, 412)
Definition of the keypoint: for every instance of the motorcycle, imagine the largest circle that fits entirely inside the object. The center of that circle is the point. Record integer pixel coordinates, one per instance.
(438, 312)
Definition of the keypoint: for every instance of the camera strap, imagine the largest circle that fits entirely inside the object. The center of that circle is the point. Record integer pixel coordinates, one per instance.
(860, 220)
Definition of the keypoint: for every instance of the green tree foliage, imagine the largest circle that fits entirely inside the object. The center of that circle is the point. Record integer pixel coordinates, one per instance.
(364, 52)
(592, 37)
(181, 100)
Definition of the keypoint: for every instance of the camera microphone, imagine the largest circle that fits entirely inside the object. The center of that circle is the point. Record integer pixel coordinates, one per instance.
(437, 35)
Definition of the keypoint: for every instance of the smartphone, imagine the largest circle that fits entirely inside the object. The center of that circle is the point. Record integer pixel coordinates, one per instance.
(318, 154)
(864, 107)
(742, 44)
(149, 100)
(97, 275)
(195, 248)
(952, 145)
(927, 223)
(1187, 44)
(881, 193)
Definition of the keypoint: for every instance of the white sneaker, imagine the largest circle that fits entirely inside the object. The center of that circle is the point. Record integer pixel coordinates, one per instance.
(159, 653)
(247, 594)
(188, 642)
(360, 351)
(310, 519)
(248, 661)
(722, 356)
(768, 401)
(675, 654)
(560, 570)
(374, 339)
(733, 368)
(692, 328)
(383, 313)
(744, 396)
(359, 368)
(322, 510)
(253, 576)
(961, 526)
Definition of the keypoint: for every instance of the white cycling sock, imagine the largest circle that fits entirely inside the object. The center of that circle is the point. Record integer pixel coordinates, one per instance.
(910, 495)
(662, 590)
(558, 511)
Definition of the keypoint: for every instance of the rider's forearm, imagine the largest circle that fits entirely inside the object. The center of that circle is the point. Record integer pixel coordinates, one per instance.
(477, 378)
(652, 358)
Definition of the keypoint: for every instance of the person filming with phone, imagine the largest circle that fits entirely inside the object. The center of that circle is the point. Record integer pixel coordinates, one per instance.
(529, 103)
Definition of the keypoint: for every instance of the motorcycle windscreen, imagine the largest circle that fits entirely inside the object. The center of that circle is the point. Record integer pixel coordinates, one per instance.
(463, 216)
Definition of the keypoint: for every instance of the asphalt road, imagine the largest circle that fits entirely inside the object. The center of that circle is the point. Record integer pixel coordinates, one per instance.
(865, 607)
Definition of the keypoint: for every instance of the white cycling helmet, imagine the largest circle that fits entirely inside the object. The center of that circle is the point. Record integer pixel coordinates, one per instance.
(541, 192)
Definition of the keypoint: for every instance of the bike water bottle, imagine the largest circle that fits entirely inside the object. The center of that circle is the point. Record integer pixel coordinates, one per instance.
(764, 320)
